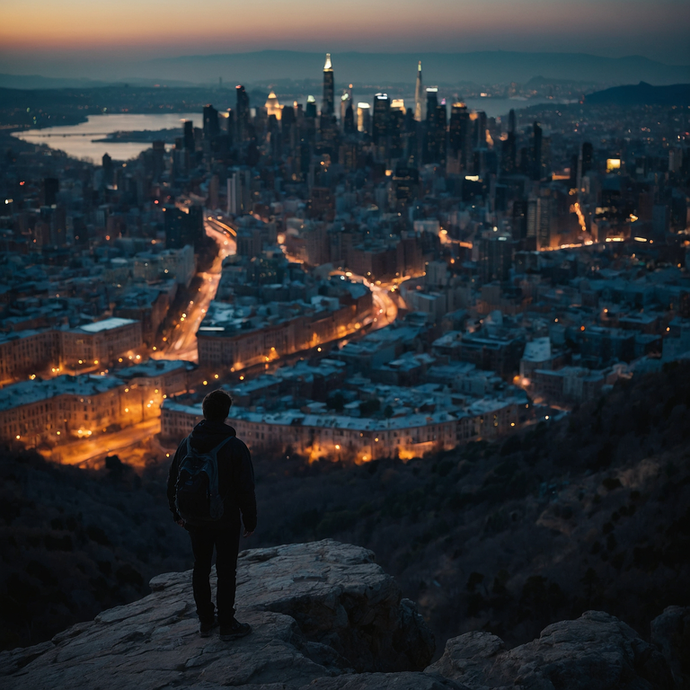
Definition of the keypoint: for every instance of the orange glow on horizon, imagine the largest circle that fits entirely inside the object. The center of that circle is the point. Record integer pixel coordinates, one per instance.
(77, 25)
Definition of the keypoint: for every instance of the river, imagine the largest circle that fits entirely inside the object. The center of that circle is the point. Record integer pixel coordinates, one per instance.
(77, 140)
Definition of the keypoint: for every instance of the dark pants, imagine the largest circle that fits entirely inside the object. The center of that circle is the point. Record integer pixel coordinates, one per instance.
(226, 542)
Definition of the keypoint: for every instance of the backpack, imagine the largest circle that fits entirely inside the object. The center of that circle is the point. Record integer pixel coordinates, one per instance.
(197, 492)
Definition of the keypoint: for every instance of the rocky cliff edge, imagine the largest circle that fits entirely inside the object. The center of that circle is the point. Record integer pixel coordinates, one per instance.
(326, 617)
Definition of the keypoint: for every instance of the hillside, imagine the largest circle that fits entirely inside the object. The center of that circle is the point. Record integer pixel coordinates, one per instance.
(642, 94)
(591, 512)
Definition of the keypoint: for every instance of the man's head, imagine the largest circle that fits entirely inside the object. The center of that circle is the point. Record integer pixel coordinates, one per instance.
(216, 406)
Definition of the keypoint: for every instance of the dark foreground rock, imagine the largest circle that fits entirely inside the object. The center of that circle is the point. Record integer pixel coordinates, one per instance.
(326, 617)
(317, 610)
(594, 652)
(671, 634)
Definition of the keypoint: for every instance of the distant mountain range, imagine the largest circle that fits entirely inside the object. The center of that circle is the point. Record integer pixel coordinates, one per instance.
(380, 69)
(36, 81)
(496, 67)
(642, 94)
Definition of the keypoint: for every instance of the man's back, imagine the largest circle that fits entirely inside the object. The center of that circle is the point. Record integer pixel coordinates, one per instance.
(235, 473)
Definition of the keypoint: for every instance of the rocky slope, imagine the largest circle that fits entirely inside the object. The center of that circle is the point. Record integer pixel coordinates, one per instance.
(326, 617)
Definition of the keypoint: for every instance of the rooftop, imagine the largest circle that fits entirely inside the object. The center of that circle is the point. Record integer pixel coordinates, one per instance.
(106, 325)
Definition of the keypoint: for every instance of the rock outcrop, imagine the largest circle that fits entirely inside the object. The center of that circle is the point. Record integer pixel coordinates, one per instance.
(326, 617)
(671, 634)
(317, 610)
(595, 652)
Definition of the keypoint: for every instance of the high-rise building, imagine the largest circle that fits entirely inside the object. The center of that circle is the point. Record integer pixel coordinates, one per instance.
(460, 137)
(419, 102)
(509, 148)
(435, 149)
(242, 113)
(188, 135)
(480, 129)
(107, 170)
(310, 110)
(328, 104)
(382, 106)
(344, 102)
(211, 127)
(183, 228)
(231, 127)
(520, 210)
(537, 136)
(584, 163)
(495, 257)
(364, 117)
(238, 191)
(273, 107)
(349, 119)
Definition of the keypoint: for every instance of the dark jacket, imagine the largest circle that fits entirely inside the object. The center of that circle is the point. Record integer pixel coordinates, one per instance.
(235, 473)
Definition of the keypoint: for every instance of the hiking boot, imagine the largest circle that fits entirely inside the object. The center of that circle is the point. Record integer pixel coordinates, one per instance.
(205, 627)
(234, 631)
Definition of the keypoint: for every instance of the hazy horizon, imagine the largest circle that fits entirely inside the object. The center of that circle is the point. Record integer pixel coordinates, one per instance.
(83, 39)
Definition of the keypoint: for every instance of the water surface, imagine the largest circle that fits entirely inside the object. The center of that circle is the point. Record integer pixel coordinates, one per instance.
(76, 140)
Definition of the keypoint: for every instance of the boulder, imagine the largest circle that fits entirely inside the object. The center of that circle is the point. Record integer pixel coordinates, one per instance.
(317, 610)
(671, 634)
(595, 652)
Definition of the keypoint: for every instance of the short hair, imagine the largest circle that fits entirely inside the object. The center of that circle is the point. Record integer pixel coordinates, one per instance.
(216, 405)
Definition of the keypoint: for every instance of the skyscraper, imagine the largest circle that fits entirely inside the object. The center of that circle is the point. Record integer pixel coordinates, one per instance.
(509, 148)
(242, 112)
(363, 117)
(419, 102)
(382, 106)
(328, 105)
(211, 128)
(537, 136)
(188, 135)
(272, 106)
(311, 107)
(435, 149)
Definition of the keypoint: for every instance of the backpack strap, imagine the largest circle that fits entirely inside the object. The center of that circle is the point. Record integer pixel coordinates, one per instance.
(215, 450)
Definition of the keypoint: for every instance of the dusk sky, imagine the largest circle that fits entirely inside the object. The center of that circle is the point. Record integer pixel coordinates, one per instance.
(70, 37)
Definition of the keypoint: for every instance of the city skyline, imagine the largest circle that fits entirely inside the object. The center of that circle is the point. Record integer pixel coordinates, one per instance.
(39, 37)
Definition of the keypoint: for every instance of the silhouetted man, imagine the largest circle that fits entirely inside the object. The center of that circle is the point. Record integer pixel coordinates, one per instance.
(235, 486)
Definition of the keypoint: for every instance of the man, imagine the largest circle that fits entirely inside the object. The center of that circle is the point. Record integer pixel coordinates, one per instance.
(236, 488)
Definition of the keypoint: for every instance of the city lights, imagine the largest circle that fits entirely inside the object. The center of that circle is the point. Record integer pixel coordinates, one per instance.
(408, 258)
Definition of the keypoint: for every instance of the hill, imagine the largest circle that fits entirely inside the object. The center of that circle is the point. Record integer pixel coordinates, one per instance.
(589, 512)
(592, 512)
(642, 94)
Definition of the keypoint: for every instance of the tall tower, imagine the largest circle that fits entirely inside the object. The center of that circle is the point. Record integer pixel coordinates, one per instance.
(382, 106)
(211, 127)
(419, 100)
(537, 164)
(243, 113)
(328, 105)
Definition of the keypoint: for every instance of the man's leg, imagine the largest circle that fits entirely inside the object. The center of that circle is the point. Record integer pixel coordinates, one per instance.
(202, 547)
(227, 547)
